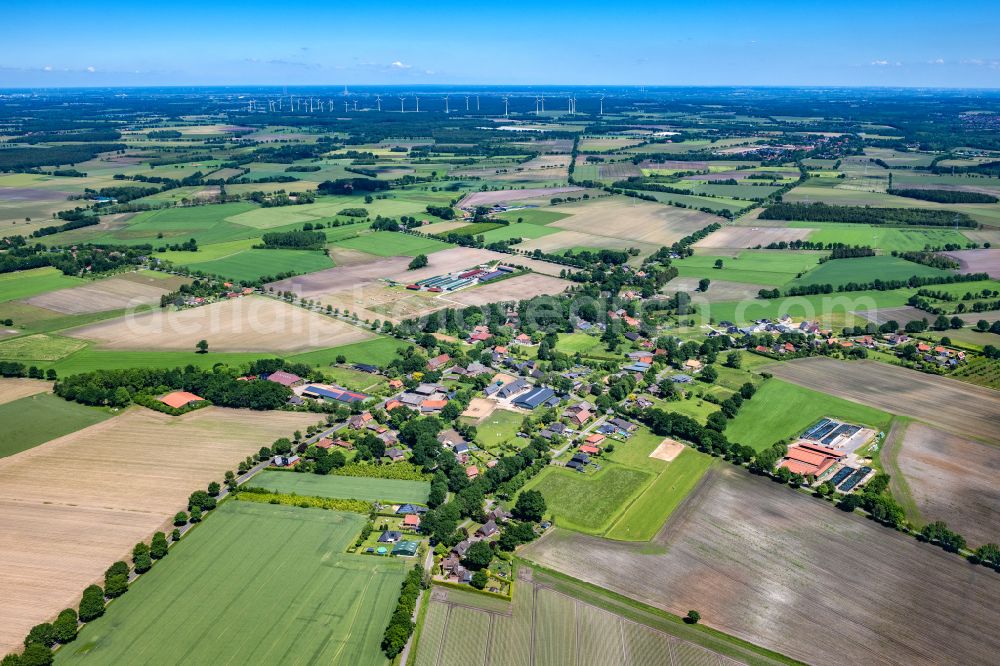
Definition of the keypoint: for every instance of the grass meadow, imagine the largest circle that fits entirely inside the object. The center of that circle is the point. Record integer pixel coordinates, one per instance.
(390, 244)
(344, 487)
(883, 238)
(780, 409)
(25, 284)
(253, 584)
(866, 269)
(765, 267)
(36, 419)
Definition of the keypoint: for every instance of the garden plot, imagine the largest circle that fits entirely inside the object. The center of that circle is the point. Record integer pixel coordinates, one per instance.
(72, 506)
(251, 323)
(793, 574)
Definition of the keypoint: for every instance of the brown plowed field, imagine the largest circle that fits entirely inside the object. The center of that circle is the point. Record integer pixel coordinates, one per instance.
(251, 323)
(100, 296)
(953, 479)
(946, 403)
(978, 261)
(794, 574)
(72, 506)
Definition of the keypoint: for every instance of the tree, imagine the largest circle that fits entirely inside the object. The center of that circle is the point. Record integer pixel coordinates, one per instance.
(703, 284)
(180, 519)
(479, 579)
(341, 359)
(419, 261)
(202, 346)
(175, 535)
(693, 617)
(213, 489)
(43, 634)
(478, 556)
(158, 548)
(708, 374)
(36, 655)
(718, 263)
(530, 505)
(141, 558)
(202, 500)
(734, 359)
(92, 603)
(941, 323)
(121, 397)
(65, 626)
(196, 514)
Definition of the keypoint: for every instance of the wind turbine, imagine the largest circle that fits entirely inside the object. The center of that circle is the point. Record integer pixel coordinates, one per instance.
(345, 106)
(402, 103)
(536, 105)
(602, 105)
(378, 102)
(542, 97)
(355, 105)
(446, 104)
(477, 102)
(466, 102)
(505, 99)
(418, 103)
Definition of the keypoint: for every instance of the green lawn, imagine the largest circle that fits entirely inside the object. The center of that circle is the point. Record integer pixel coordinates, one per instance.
(36, 419)
(254, 584)
(571, 343)
(499, 427)
(24, 284)
(779, 410)
(588, 503)
(866, 269)
(647, 514)
(343, 487)
(766, 267)
(392, 244)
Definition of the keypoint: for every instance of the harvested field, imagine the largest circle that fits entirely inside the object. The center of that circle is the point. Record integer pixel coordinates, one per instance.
(341, 278)
(978, 261)
(15, 388)
(747, 237)
(380, 301)
(632, 220)
(946, 403)
(793, 574)
(105, 488)
(251, 323)
(113, 294)
(443, 227)
(479, 408)
(503, 196)
(457, 258)
(520, 287)
(901, 315)
(951, 478)
(667, 450)
(718, 290)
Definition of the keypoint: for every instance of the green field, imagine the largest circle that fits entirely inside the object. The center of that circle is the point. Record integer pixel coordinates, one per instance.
(647, 514)
(24, 284)
(588, 502)
(582, 343)
(254, 584)
(886, 239)
(39, 347)
(766, 267)
(499, 427)
(526, 231)
(250, 265)
(36, 419)
(89, 359)
(377, 351)
(343, 487)
(532, 216)
(392, 244)
(866, 269)
(206, 224)
(780, 410)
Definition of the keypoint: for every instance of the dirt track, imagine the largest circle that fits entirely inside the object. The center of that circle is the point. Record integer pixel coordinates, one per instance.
(947, 403)
(794, 574)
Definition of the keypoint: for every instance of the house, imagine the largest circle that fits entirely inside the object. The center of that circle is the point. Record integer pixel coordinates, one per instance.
(581, 417)
(623, 425)
(392, 404)
(395, 383)
(692, 365)
(390, 536)
(557, 428)
(471, 472)
(450, 438)
(284, 378)
(488, 529)
(395, 454)
(432, 405)
(179, 399)
(805, 459)
(640, 357)
(411, 399)
(500, 514)
(594, 439)
(536, 397)
(511, 389)
(426, 389)
(681, 379)
(324, 443)
(411, 521)
(359, 421)
(581, 458)
(461, 548)
(589, 450)
(410, 508)
(572, 464)
(522, 339)
(285, 461)
(461, 448)
(437, 362)
(475, 369)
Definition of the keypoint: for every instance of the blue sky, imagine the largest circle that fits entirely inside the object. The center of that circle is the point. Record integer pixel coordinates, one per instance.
(301, 42)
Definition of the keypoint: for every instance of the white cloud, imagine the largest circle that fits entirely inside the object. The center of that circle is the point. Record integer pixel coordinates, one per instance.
(938, 61)
(400, 65)
(91, 69)
(880, 63)
(47, 68)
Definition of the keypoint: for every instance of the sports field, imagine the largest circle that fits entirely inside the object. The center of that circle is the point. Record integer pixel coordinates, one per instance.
(780, 409)
(255, 584)
(32, 420)
(344, 487)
